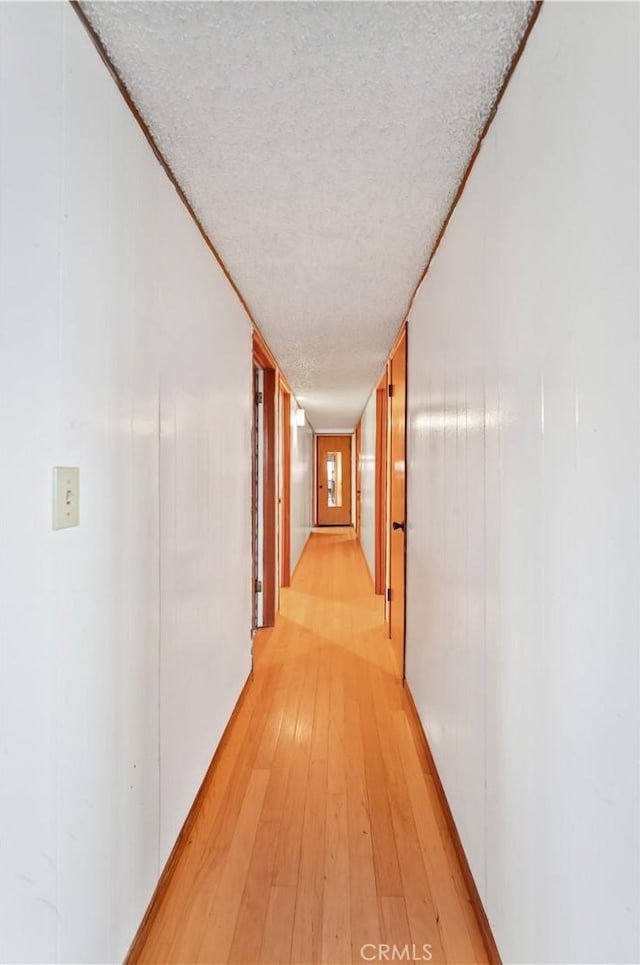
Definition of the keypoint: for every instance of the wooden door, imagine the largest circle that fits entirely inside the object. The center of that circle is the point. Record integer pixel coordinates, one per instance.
(257, 480)
(382, 432)
(397, 542)
(334, 481)
(358, 477)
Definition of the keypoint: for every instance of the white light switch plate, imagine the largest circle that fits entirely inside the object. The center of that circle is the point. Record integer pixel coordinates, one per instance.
(66, 494)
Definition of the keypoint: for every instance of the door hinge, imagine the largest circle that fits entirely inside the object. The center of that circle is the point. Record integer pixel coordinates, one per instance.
(390, 390)
(258, 398)
(258, 586)
(388, 594)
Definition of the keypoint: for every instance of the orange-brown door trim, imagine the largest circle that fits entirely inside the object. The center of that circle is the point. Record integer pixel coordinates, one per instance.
(263, 359)
(358, 459)
(285, 505)
(396, 523)
(381, 488)
(406, 503)
(269, 500)
(262, 356)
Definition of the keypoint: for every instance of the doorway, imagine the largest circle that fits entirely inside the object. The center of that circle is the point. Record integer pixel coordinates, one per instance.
(285, 486)
(258, 497)
(358, 439)
(397, 474)
(333, 493)
(264, 472)
(382, 431)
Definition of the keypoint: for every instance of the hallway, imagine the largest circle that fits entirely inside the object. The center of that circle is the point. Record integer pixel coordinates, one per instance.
(320, 831)
(269, 266)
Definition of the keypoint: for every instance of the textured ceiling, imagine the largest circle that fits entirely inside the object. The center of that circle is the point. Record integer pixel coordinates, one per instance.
(321, 145)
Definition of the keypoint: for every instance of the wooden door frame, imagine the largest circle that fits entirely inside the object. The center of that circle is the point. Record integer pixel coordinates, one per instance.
(380, 528)
(358, 476)
(263, 359)
(285, 495)
(254, 488)
(403, 333)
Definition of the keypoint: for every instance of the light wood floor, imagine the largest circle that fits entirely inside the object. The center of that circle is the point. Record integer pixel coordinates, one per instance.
(321, 831)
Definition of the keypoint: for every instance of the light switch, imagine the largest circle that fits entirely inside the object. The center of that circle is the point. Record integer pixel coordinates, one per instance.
(66, 493)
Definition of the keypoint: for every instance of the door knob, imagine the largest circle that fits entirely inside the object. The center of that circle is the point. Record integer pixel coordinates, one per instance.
(398, 525)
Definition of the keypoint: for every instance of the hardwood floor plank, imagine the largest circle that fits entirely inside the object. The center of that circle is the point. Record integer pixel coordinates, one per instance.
(336, 909)
(385, 854)
(320, 730)
(278, 929)
(307, 928)
(365, 921)
(252, 913)
(282, 756)
(273, 725)
(290, 837)
(394, 924)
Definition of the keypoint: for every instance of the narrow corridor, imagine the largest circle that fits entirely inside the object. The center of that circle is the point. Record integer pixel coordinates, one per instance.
(320, 836)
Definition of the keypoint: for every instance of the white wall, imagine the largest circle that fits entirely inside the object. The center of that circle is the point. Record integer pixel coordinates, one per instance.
(368, 482)
(523, 487)
(301, 488)
(122, 351)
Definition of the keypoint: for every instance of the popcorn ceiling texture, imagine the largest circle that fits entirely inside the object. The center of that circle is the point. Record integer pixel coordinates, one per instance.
(321, 145)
